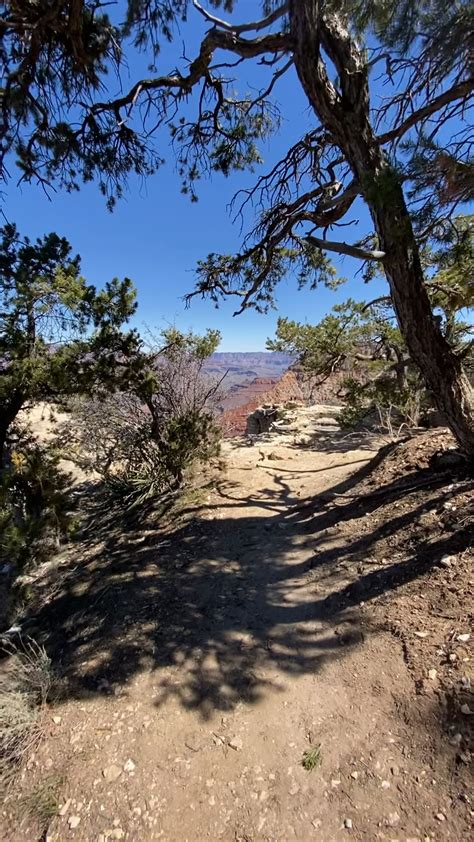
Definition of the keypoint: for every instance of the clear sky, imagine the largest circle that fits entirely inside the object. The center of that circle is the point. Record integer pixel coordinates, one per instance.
(155, 235)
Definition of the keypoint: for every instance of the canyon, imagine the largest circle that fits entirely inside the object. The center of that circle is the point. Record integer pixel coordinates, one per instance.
(254, 379)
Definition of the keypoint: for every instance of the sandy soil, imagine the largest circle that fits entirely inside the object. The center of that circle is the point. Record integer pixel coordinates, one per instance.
(206, 657)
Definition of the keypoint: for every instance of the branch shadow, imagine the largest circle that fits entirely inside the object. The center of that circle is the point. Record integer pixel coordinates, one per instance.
(219, 610)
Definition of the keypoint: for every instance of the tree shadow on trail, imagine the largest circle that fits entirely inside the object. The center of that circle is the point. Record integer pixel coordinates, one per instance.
(220, 610)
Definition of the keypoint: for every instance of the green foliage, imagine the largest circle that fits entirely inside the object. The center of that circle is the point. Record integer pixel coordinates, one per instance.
(58, 335)
(384, 399)
(43, 802)
(143, 442)
(407, 155)
(363, 342)
(35, 510)
(311, 758)
(253, 275)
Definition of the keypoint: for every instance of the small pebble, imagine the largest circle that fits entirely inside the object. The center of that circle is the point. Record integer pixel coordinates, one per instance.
(463, 638)
(432, 674)
(348, 824)
(63, 810)
(111, 773)
(74, 821)
(129, 766)
(441, 817)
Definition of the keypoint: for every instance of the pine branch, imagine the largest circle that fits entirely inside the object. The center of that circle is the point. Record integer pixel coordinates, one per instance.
(345, 248)
(255, 26)
(459, 91)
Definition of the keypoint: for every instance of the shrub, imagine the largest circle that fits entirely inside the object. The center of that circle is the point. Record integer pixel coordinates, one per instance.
(144, 442)
(26, 684)
(34, 506)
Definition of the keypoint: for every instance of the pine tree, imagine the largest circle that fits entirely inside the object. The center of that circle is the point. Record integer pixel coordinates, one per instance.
(406, 157)
(58, 335)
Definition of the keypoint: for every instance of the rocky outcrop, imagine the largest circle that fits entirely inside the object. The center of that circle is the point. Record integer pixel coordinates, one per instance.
(259, 393)
(293, 385)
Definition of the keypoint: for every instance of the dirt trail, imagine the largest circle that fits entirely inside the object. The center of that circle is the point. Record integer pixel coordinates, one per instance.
(206, 661)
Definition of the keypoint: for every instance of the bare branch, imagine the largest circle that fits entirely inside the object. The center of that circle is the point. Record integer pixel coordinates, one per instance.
(459, 91)
(345, 248)
(254, 26)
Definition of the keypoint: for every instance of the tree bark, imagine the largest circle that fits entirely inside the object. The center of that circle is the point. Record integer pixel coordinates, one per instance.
(8, 413)
(344, 112)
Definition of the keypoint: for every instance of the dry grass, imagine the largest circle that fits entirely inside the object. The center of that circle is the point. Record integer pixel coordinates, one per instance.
(42, 803)
(26, 684)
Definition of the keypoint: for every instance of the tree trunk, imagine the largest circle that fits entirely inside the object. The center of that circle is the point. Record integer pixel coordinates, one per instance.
(345, 115)
(8, 414)
(439, 364)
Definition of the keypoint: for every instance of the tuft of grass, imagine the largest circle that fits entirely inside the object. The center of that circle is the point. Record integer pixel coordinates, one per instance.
(26, 684)
(42, 803)
(311, 758)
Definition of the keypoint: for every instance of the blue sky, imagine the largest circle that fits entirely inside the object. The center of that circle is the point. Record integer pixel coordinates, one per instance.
(155, 235)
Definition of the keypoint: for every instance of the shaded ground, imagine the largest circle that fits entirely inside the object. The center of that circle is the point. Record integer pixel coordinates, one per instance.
(297, 603)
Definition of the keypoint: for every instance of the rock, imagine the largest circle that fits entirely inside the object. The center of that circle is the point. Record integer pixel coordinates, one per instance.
(112, 773)
(447, 560)
(128, 766)
(466, 710)
(393, 819)
(236, 743)
(57, 719)
(354, 775)
(456, 739)
(65, 807)
(294, 789)
(463, 638)
(335, 783)
(74, 821)
(385, 784)
(421, 634)
(440, 817)
(348, 824)
(432, 674)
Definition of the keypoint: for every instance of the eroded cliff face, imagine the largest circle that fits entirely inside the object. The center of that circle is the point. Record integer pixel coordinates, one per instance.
(261, 391)
(293, 385)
